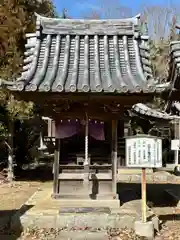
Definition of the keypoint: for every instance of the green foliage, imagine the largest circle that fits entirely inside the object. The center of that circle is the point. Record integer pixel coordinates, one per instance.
(16, 19)
(19, 109)
(3, 130)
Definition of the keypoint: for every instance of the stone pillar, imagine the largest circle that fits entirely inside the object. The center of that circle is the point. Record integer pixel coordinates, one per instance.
(49, 127)
(56, 168)
(114, 157)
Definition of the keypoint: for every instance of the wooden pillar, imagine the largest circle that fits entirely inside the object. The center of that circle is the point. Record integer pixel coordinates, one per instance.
(114, 157)
(56, 167)
(121, 141)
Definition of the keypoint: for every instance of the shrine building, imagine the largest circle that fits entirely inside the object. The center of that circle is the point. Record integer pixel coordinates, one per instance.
(85, 75)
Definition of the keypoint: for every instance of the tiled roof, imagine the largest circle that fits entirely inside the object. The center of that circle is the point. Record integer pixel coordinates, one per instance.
(174, 66)
(66, 55)
(174, 73)
(174, 58)
(143, 109)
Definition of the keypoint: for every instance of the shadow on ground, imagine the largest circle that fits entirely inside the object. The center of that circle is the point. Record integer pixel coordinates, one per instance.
(169, 217)
(9, 231)
(41, 173)
(156, 193)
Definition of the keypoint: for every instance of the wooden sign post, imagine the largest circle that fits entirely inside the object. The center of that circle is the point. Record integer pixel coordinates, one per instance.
(143, 151)
(143, 195)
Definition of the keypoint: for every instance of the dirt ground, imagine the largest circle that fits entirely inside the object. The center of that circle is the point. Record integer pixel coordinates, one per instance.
(12, 196)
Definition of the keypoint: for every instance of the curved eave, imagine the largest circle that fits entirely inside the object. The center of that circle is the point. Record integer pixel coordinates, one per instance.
(144, 110)
(114, 61)
(18, 87)
(174, 65)
(108, 74)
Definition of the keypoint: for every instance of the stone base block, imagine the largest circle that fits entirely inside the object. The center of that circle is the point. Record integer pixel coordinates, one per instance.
(74, 221)
(96, 189)
(144, 229)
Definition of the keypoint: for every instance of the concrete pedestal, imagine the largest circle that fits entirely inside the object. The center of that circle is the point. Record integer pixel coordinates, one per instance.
(144, 229)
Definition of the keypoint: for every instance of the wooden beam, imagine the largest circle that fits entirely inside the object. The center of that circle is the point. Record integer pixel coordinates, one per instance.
(49, 97)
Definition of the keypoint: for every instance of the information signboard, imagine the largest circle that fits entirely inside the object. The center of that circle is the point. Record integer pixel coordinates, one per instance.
(143, 151)
(175, 144)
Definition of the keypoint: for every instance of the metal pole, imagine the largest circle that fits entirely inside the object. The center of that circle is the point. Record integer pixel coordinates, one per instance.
(143, 194)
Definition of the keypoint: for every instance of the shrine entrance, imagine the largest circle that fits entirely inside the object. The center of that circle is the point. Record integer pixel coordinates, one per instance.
(72, 137)
(84, 160)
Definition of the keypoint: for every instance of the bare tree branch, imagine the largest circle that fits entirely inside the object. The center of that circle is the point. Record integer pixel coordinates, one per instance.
(109, 9)
(160, 20)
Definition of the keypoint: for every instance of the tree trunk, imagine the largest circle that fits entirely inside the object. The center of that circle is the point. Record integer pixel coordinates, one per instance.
(10, 175)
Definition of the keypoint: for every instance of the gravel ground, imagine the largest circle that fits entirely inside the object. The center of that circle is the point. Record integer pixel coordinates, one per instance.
(43, 234)
(13, 195)
(169, 231)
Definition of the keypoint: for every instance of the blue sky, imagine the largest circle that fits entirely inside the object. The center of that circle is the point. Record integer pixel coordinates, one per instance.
(82, 8)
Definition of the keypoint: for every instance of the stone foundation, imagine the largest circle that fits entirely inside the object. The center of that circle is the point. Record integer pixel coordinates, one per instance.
(44, 212)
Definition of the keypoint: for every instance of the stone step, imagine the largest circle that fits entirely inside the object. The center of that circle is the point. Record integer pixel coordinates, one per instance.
(133, 171)
(82, 235)
(46, 202)
(71, 221)
(84, 210)
(80, 176)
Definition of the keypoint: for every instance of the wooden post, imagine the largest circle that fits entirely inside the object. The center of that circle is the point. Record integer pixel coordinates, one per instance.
(143, 194)
(114, 157)
(176, 157)
(56, 167)
(86, 161)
